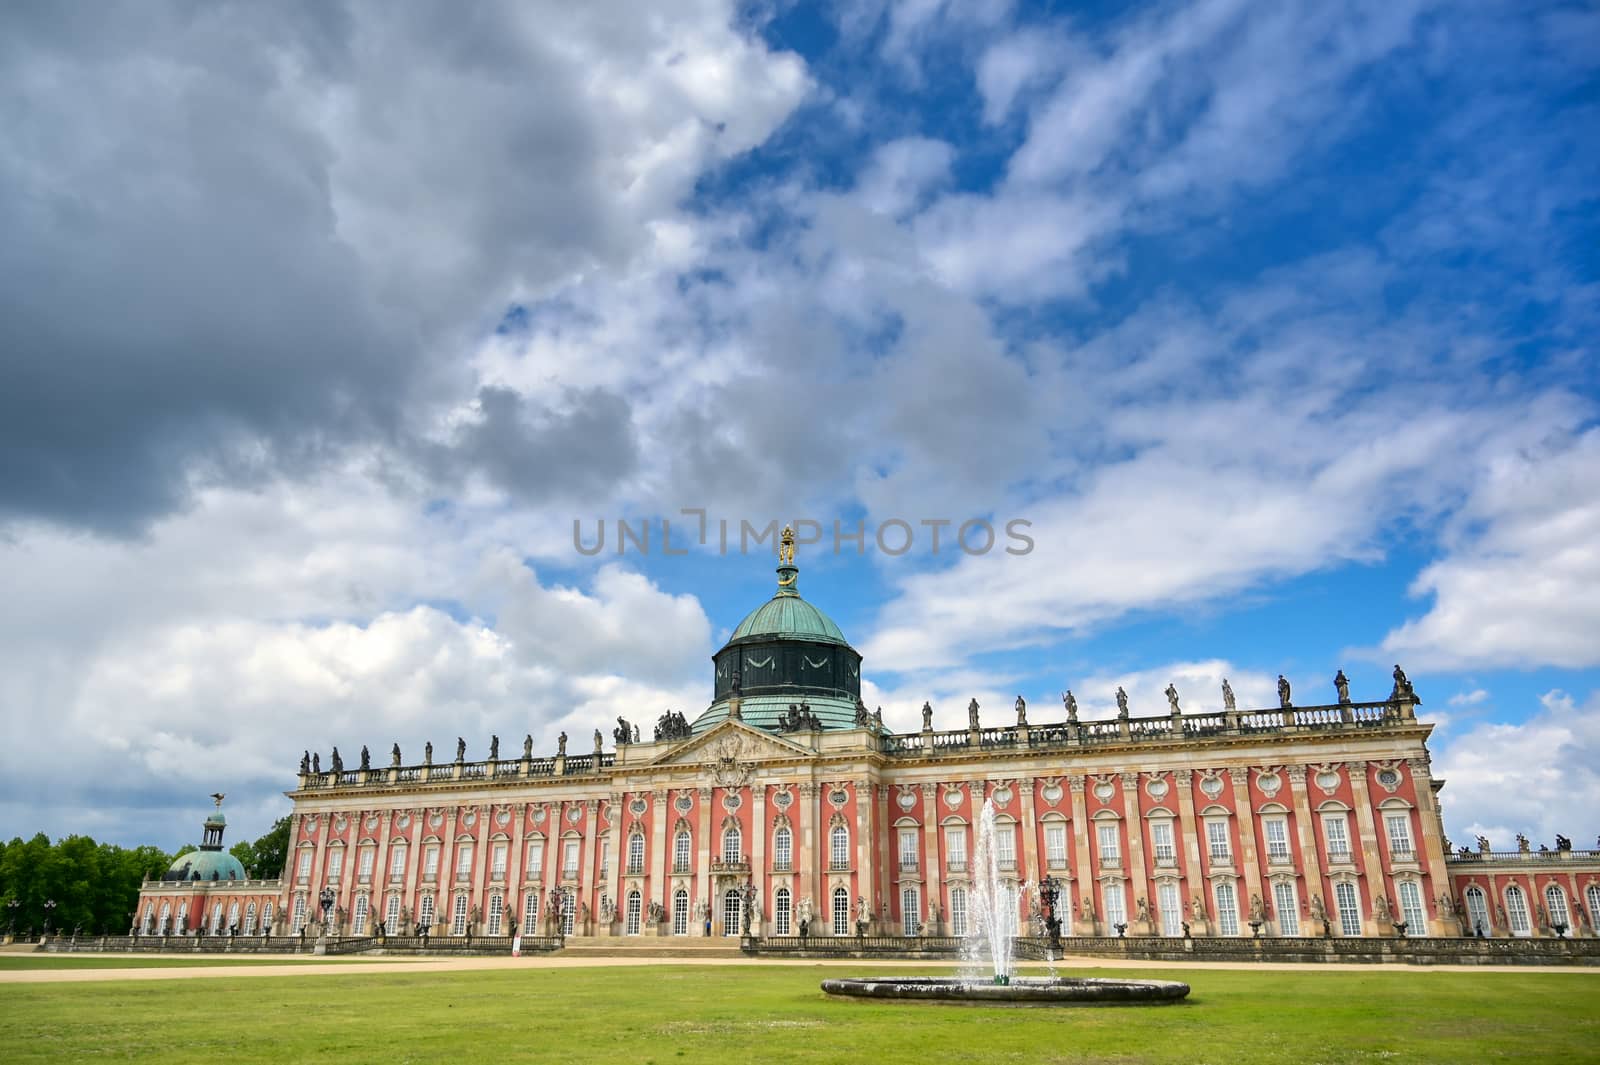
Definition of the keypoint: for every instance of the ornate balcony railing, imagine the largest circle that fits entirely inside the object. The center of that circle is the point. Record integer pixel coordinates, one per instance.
(730, 866)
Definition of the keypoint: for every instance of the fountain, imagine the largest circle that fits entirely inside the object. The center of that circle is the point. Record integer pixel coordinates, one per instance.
(989, 953)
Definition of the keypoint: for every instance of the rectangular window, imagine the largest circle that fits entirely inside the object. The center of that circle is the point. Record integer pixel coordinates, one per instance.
(1277, 839)
(1287, 907)
(782, 913)
(530, 914)
(908, 850)
(535, 859)
(368, 855)
(1115, 907)
(911, 911)
(955, 848)
(1055, 845)
(358, 922)
(425, 914)
(397, 861)
(1227, 911)
(1334, 831)
(1005, 846)
(635, 854)
(1171, 909)
(782, 849)
(1217, 841)
(391, 916)
(839, 847)
(841, 912)
(458, 918)
(1344, 897)
(1517, 912)
(569, 859)
(680, 852)
(335, 863)
(1110, 848)
(497, 912)
(304, 868)
(497, 860)
(1411, 908)
(1161, 838)
(430, 862)
(299, 919)
(1399, 826)
(464, 860)
(958, 911)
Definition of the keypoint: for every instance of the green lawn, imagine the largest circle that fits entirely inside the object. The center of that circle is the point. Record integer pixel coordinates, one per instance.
(160, 961)
(777, 1014)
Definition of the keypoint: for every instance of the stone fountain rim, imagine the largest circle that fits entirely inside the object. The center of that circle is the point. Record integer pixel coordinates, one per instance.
(1022, 991)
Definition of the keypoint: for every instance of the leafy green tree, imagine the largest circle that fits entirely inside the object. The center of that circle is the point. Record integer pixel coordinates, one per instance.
(271, 851)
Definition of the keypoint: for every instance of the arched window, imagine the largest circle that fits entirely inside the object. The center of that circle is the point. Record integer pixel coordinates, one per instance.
(216, 919)
(732, 903)
(680, 852)
(358, 922)
(1411, 910)
(1593, 895)
(148, 925)
(732, 844)
(911, 911)
(266, 919)
(249, 926)
(568, 912)
(530, 914)
(1478, 919)
(425, 914)
(458, 917)
(841, 912)
(1349, 906)
(958, 911)
(782, 911)
(1286, 907)
(1555, 906)
(233, 916)
(1517, 912)
(839, 850)
(391, 916)
(782, 849)
(183, 918)
(1171, 909)
(297, 921)
(680, 912)
(1113, 899)
(497, 912)
(166, 918)
(636, 854)
(632, 914)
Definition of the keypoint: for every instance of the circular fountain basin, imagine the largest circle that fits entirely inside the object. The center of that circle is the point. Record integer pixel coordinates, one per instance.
(1021, 991)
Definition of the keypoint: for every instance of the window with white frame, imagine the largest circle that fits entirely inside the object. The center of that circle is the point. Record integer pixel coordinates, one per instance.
(1286, 907)
(1005, 845)
(1517, 912)
(636, 853)
(1555, 906)
(1161, 841)
(430, 862)
(732, 904)
(530, 913)
(304, 868)
(732, 845)
(908, 849)
(425, 912)
(603, 848)
(358, 920)
(497, 861)
(1227, 909)
(232, 922)
(1411, 910)
(1349, 907)
(910, 911)
(335, 863)
(249, 925)
(1110, 845)
(364, 862)
(397, 861)
(458, 917)
(535, 859)
(569, 859)
(632, 914)
(1592, 893)
(782, 849)
(839, 849)
(680, 912)
(569, 912)
(955, 848)
(958, 911)
(1399, 828)
(497, 913)
(841, 912)
(1335, 830)
(391, 915)
(681, 849)
(298, 920)
(1113, 901)
(1478, 912)
(1277, 831)
(266, 918)
(1006, 901)
(1171, 909)
(1055, 845)
(464, 860)
(166, 918)
(1217, 844)
(782, 912)
(216, 918)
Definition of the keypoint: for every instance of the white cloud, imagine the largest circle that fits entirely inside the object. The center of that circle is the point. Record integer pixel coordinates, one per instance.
(1471, 698)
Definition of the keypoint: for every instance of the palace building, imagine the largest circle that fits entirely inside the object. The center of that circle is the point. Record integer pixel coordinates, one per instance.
(1288, 821)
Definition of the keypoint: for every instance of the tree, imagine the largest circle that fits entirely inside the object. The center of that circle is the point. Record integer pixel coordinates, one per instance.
(269, 853)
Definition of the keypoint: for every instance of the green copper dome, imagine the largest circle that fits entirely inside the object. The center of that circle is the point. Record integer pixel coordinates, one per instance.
(789, 617)
(202, 864)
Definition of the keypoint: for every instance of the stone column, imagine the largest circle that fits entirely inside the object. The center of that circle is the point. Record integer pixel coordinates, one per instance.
(1138, 877)
(810, 880)
(612, 883)
(661, 817)
(380, 869)
(516, 864)
(588, 860)
(930, 856)
(444, 894)
(478, 892)
(1249, 855)
(704, 888)
(1031, 867)
(1083, 840)
(1194, 876)
(410, 893)
(1430, 826)
(758, 851)
(1310, 855)
(1371, 863)
(885, 841)
(864, 841)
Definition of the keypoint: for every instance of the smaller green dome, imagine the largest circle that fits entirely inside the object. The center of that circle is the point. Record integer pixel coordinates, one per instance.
(217, 819)
(789, 617)
(202, 864)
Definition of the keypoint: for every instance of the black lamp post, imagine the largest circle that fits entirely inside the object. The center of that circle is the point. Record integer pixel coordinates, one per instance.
(13, 906)
(326, 901)
(49, 908)
(1049, 895)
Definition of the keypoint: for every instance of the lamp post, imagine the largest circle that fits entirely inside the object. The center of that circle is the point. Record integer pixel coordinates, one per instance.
(49, 908)
(13, 906)
(325, 900)
(1049, 895)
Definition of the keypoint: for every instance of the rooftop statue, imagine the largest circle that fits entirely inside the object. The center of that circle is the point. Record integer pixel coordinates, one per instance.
(494, 748)
(1172, 699)
(1022, 710)
(461, 749)
(1071, 703)
(1122, 703)
(1227, 695)
(427, 753)
(623, 733)
(561, 745)
(527, 746)
(394, 756)
(972, 714)
(316, 762)
(1341, 684)
(1283, 691)
(305, 762)
(927, 716)
(335, 762)
(366, 757)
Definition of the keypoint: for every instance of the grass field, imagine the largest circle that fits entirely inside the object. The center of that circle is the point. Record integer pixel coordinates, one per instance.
(33, 962)
(661, 1014)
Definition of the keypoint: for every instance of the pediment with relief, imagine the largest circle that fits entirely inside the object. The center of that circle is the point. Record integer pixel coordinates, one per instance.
(730, 750)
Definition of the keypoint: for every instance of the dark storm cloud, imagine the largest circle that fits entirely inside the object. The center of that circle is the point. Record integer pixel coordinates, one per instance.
(242, 238)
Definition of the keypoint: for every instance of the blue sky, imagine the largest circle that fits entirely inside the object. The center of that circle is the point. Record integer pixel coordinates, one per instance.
(1276, 323)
